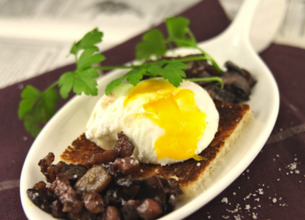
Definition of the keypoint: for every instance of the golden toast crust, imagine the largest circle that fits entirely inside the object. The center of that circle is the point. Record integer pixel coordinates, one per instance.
(187, 172)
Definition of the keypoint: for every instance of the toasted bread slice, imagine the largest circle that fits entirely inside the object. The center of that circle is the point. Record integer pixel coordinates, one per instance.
(189, 174)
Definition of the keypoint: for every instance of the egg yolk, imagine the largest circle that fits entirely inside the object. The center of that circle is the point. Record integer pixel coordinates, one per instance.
(174, 110)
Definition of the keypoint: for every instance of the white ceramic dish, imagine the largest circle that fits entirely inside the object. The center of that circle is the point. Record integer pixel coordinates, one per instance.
(70, 121)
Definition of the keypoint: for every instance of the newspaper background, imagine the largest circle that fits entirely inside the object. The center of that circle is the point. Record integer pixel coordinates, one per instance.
(36, 35)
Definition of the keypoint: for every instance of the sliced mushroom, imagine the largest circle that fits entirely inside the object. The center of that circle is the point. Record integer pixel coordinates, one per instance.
(95, 180)
(237, 84)
(221, 94)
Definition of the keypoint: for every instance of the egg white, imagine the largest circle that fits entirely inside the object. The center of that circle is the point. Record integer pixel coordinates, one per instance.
(110, 116)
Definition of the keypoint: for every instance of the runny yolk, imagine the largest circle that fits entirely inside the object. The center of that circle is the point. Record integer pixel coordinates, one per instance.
(174, 110)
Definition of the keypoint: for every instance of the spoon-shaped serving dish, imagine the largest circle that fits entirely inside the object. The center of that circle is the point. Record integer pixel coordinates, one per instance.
(232, 45)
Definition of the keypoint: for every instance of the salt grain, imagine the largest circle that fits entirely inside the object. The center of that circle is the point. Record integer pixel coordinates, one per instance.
(248, 196)
(292, 166)
(198, 164)
(237, 217)
(274, 200)
(234, 210)
(225, 200)
(254, 215)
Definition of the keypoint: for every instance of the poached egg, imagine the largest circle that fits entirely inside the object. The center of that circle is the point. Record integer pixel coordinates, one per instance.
(166, 124)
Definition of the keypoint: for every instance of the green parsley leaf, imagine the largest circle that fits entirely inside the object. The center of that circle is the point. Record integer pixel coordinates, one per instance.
(153, 43)
(85, 82)
(155, 68)
(30, 96)
(48, 103)
(134, 76)
(33, 120)
(88, 41)
(173, 72)
(80, 81)
(43, 107)
(179, 32)
(66, 82)
(113, 84)
(87, 59)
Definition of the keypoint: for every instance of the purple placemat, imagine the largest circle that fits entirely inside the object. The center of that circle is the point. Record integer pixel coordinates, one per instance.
(273, 185)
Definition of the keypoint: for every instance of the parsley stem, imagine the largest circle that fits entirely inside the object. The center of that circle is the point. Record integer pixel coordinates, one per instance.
(118, 67)
(211, 59)
(208, 57)
(207, 79)
(186, 59)
(52, 86)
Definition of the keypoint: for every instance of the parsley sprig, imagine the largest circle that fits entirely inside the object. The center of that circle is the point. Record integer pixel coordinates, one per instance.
(37, 107)
(179, 34)
(155, 45)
